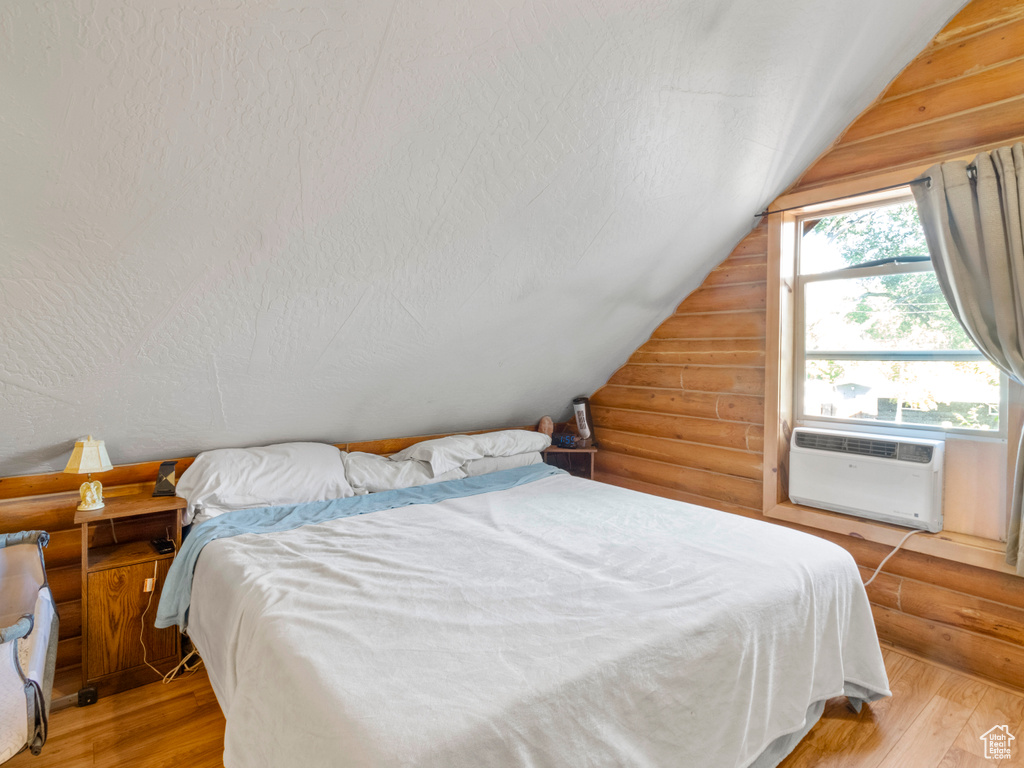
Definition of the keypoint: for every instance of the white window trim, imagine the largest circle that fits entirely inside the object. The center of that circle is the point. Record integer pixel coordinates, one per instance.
(779, 348)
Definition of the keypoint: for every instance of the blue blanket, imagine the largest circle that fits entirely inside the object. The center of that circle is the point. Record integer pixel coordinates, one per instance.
(177, 591)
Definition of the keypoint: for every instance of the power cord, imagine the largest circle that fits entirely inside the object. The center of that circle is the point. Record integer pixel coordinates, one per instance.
(183, 665)
(886, 560)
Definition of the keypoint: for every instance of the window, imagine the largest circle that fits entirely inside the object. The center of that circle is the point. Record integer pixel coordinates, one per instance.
(876, 342)
(859, 338)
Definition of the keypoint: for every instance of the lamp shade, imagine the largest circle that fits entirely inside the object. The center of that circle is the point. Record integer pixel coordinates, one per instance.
(88, 456)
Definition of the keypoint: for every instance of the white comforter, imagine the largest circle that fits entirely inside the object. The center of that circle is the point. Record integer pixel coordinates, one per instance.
(560, 623)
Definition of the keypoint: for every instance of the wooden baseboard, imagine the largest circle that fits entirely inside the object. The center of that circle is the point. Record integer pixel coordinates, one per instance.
(950, 668)
(986, 657)
(66, 684)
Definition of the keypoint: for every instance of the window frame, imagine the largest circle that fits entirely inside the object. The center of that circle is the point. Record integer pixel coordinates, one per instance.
(969, 549)
(838, 207)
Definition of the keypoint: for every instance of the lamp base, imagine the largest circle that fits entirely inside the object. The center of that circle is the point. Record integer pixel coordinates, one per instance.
(92, 496)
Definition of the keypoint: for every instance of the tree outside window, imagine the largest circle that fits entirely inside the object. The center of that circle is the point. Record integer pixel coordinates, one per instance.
(879, 340)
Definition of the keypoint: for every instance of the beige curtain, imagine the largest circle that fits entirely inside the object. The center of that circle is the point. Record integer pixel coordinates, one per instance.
(973, 216)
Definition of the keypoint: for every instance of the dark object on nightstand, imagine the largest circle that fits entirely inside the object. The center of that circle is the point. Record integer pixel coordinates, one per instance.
(584, 422)
(163, 546)
(165, 479)
(578, 462)
(564, 440)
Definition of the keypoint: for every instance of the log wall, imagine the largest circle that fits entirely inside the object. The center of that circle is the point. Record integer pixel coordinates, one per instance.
(687, 411)
(681, 418)
(963, 93)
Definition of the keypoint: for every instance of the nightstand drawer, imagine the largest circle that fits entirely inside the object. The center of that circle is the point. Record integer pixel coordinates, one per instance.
(116, 602)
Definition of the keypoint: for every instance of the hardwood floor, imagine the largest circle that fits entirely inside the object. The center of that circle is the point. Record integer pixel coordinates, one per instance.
(156, 726)
(934, 720)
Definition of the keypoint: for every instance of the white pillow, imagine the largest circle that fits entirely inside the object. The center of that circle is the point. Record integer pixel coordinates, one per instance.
(446, 453)
(239, 478)
(370, 473)
(488, 464)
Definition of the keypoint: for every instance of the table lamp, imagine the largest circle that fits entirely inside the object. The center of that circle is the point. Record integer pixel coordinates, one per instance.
(89, 456)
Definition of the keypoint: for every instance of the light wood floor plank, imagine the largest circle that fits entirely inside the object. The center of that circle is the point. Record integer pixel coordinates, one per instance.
(145, 735)
(933, 720)
(895, 663)
(996, 708)
(192, 749)
(179, 724)
(879, 727)
(957, 758)
(933, 732)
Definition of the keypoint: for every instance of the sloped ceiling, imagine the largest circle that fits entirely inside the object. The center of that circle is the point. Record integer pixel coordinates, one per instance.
(230, 223)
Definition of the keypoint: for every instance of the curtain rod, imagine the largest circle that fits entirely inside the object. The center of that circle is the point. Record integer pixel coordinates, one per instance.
(921, 180)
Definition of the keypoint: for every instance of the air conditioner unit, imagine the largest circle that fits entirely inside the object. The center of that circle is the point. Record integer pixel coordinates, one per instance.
(895, 480)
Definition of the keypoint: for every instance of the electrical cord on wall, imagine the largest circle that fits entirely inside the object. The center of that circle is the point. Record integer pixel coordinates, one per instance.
(183, 665)
(897, 549)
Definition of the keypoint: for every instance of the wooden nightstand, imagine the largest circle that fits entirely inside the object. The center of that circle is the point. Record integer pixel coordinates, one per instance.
(578, 462)
(117, 561)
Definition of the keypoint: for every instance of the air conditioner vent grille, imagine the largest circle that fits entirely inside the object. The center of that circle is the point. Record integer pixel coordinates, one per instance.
(865, 446)
(883, 449)
(921, 454)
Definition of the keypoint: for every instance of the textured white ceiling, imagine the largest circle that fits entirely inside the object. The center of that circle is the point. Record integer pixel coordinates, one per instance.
(228, 223)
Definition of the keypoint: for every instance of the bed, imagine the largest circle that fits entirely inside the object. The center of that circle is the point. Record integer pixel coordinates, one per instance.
(519, 618)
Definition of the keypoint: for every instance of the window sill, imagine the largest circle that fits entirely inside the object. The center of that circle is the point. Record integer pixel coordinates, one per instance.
(957, 547)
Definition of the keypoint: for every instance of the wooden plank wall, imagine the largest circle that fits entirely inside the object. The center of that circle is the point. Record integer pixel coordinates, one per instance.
(47, 503)
(963, 92)
(687, 411)
(680, 418)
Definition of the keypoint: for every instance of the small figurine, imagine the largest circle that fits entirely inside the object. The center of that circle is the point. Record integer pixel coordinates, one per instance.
(92, 495)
